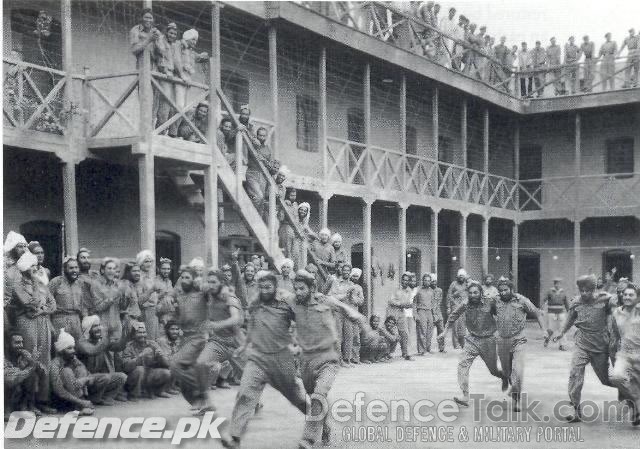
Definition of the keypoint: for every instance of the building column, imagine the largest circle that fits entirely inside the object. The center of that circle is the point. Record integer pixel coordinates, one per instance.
(211, 214)
(515, 242)
(485, 141)
(322, 104)
(578, 160)
(463, 239)
(366, 84)
(516, 161)
(463, 132)
(403, 113)
(324, 208)
(577, 259)
(147, 202)
(436, 122)
(273, 83)
(402, 235)
(366, 252)
(71, 238)
(435, 211)
(485, 245)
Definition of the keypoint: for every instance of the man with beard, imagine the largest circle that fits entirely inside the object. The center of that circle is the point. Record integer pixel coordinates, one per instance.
(426, 311)
(200, 118)
(170, 344)
(488, 289)
(511, 318)
(224, 318)
(33, 305)
(589, 312)
(256, 181)
(457, 295)
(185, 62)
(15, 246)
(166, 65)
(146, 366)
(269, 359)
(68, 293)
(20, 376)
(342, 290)
(225, 139)
(188, 370)
(94, 352)
(341, 254)
(69, 379)
(166, 302)
(480, 339)
(402, 299)
(285, 281)
(324, 251)
(245, 282)
(439, 300)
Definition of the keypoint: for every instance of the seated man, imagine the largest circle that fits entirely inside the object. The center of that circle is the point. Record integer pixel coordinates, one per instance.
(20, 378)
(391, 337)
(169, 344)
(146, 366)
(95, 352)
(70, 380)
(200, 118)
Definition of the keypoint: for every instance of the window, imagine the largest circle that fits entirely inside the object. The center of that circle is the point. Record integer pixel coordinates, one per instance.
(620, 155)
(307, 123)
(355, 125)
(445, 150)
(412, 140)
(236, 88)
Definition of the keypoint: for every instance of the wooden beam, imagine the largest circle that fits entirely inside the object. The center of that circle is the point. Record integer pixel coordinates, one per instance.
(485, 141)
(215, 115)
(147, 202)
(485, 245)
(434, 239)
(463, 131)
(403, 113)
(577, 260)
(70, 207)
(323, 113)
(515, 242)
(402, 235)
(324, 209)
(436, 121)
(273, 83)
(211, 213)
(366, 254)
(367, 103)
(516, 151)
(463, 239)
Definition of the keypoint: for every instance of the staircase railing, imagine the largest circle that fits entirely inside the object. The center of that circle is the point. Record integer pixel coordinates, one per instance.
(243, 140)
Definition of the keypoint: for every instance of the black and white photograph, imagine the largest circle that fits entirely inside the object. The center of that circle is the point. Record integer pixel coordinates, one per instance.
(306, 224)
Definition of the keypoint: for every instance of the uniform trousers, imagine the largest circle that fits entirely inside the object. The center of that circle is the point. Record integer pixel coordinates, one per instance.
(475, 346)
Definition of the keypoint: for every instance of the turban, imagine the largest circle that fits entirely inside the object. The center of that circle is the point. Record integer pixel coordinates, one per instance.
(434, 277)
(305, 205)
(26, 261)
(172, 25)
(587, 282)
(462, 272)
(357, 272)
(88, 322)
(212, 270)
(144, 255)
(336, 238)
(474, 283)
(622, 283)
(505, 281)
(138, 326)
(226, 267)
(64, 341)
(245, 107)
(287, 263)
(284, 171)
(306, 277)
(190, 34)
(407, 273)
(107, 260)
(264, 275)
(325, 231)
(164, 260)
(33, 245)
(196, 262)
(13, 239)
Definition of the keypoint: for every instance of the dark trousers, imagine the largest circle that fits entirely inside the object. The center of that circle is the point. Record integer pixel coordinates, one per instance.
(524, 89)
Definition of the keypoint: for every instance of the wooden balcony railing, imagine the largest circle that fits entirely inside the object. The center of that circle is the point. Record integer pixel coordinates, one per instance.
(33, 97)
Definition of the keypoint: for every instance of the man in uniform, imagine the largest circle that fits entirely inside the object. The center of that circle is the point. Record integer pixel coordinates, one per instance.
(402, 299)
(553, 61)
(342, 289)
(589, 312)
(200, 118)
(608, 52)
(525, 63)
(20, 376)
(588, 49)
(245, 283)
(68, 294)
(571, 57)
(511, 318)
(426, 311)
(632, 42)
(324, 251)
(538, 61)
(480, 338)
(456, 295)
(555, 306)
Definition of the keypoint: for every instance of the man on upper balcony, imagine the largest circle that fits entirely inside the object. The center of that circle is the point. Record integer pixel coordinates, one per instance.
(525, 63)
(449, 26)
(554, 60)
(572, 54)
(256, 181)
(167, 67)
(200, 118)
(501, 53)
(145, 36)
(588, 49)
(185, 63)
(632, 42)
(538, 61)
(608, 52)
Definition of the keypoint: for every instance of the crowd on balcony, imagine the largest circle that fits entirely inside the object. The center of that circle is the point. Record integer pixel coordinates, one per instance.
(456, 42)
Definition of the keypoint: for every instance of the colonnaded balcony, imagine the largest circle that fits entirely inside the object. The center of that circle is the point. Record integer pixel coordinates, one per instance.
(408, 29)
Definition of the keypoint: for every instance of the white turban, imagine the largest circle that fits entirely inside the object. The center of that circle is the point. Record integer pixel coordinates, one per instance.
(434, 277)
(13, 239)
(462, 272)
(190, 34)
(307, 205)
(325, 231)
(287, 263)
(64, 341)
(88, 322)
(144, 255)
(26, 261)
(197, 262)
(336, 238)
(284, 171)
(357, 272)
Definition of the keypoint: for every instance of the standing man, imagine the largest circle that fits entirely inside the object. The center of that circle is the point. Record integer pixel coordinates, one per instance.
(68, 294)
(426, 312)
(553, 61)
(538, 61)
(588, 49)
(589, 312)
(441, 307)
(525, 64)
(488, 289)
(501, 53)
(166, 66)
(511, 319)
(480, 339)
(256, 180)
(342, 290)
(324, 251)
(449, 26)
(341, 254)
(245, 283)
(185, 63)
(555, 306)
(356, 301)
(456, 295)
(402, 299)
(572, 54)
(15, 246)
(608, 52)
(632, 42)
(145, 36)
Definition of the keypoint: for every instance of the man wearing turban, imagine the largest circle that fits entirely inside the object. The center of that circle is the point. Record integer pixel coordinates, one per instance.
(15, 246)
(402, 299)
(589, 312)
(456, 295)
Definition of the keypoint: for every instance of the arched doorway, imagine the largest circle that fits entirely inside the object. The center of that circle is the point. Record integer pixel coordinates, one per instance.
(621, 260)
(49, 234)
(168, 246)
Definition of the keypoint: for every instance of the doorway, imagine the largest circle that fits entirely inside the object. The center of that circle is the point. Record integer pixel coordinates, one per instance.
(168, 246)
(49, 234)
(357, 261)
(529, 276)
(621, 260)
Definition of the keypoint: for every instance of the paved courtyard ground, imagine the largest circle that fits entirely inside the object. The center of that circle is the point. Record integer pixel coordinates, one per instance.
(431, 377)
